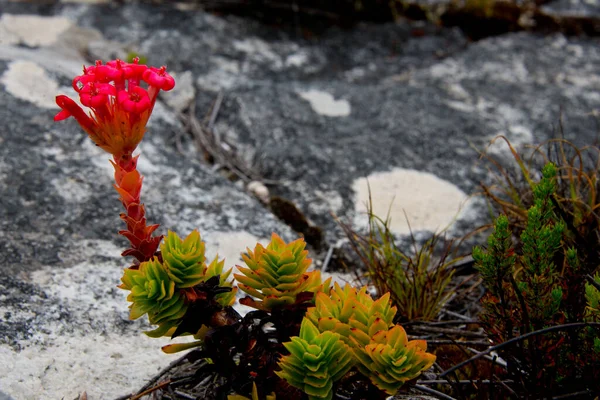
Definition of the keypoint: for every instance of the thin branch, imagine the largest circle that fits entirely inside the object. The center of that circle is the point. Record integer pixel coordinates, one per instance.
(505, 386)
(434, 392)
(518, 339)
(592, 281)
(462, 381)
(495, 359)
(205, 140)
(457, 342)
(215, 111)
(442, 323)
(152, 389)
(466, 319)
(156, 377)
(327, 259)
(574, 394)
(448, 331)
(184, 395)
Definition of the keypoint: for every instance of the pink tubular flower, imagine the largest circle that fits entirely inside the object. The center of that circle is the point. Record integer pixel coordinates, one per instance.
(159, 78)
(135, 100)
(118, 107)
(96, 94)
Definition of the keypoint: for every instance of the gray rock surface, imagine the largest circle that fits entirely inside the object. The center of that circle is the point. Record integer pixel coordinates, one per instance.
(573, 8)
(4, 396)
(402, 105)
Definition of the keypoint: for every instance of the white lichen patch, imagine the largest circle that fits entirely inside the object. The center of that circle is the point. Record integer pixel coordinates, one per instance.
(323, 103)
(296, 60)
(71, 190)
(230, 245)
(224, 74)
(103, 365)
(259, 50)
(32, 30)
(28, 81)
(430, 203)
(516, 129)
(331, 201)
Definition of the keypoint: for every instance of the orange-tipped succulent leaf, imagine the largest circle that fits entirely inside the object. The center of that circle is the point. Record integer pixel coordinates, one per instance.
(276, 274)
(390, 359)
(351, 313)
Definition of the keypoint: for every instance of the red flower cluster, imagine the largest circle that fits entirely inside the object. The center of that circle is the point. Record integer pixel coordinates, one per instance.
(119, 105)
(119, 111)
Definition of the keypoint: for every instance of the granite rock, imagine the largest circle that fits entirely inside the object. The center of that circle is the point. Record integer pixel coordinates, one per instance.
(398, 106)
(318, 138)
(573, 8)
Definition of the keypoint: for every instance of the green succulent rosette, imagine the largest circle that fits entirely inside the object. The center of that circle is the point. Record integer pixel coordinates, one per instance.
(275, 275)
(390, 359)
(184, 259)
(159, 289)
(352, 313)
(316, 360)
(153, 292)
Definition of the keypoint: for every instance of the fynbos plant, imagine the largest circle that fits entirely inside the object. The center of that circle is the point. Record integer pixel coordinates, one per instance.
(183, 294)
(526, 294)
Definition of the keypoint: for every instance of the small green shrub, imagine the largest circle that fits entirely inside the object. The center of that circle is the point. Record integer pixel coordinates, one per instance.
(527, 293)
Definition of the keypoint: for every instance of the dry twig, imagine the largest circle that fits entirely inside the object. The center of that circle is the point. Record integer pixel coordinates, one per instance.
(518, 339)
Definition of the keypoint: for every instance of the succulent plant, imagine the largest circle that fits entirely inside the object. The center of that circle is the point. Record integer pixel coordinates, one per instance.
(351, 313)
(184, 259)
(277, 274)
(165, 290)
(153, 292)
(316, 360)
(390, 359)
(198, 329)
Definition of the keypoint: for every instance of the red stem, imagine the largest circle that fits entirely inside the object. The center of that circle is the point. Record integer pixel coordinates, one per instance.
(129, 186)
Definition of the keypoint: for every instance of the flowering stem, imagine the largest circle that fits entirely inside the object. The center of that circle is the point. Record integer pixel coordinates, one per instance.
(129, 186)
(118, 109)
